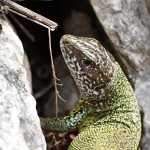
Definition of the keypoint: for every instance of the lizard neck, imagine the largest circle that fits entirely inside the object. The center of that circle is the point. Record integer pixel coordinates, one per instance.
(116, 95)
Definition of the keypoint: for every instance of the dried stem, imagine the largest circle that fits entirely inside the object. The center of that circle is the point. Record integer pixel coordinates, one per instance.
(54, 75)
(29, 14)
(53, 71)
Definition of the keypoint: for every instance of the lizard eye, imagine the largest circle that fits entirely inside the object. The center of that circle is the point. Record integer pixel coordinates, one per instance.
(87, 62)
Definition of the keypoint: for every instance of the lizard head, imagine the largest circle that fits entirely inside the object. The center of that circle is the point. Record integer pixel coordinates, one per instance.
(91, 65)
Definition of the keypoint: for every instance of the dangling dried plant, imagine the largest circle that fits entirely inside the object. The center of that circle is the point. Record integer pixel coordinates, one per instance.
(55, 79)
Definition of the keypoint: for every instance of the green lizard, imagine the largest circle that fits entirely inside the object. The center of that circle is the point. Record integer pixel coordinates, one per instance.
(107, 115)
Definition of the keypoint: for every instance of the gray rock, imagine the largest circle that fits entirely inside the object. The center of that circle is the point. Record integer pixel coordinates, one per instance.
(127, 24)
(19, 123)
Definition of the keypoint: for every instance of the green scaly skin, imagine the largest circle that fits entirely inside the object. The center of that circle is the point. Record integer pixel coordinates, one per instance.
(107, 115)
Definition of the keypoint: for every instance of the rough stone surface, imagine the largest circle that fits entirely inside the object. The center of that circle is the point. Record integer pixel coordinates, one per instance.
(127, 24)
(19, 122)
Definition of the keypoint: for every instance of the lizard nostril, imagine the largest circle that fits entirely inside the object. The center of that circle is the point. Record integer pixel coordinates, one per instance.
(66, 42)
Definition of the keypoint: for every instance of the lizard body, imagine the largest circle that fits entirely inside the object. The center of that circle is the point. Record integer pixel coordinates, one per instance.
(107, 115)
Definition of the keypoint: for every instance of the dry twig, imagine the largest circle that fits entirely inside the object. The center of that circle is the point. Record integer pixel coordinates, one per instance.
(54, 76)
(29, 14)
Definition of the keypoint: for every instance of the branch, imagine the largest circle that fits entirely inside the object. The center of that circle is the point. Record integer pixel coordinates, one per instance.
(29, 14)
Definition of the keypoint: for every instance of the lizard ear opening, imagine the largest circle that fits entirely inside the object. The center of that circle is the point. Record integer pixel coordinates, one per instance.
(98, 88)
